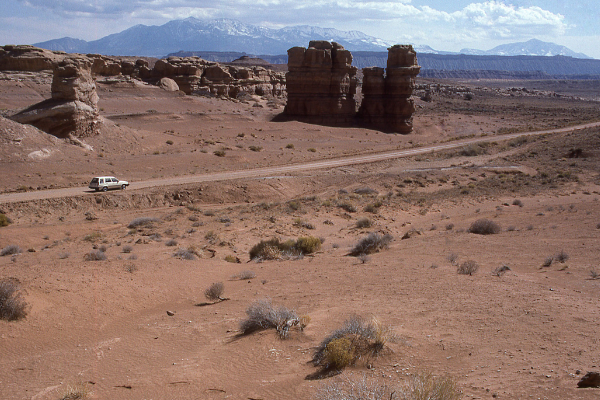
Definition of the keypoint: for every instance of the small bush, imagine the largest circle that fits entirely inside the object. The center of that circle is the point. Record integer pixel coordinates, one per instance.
(594, 274)
(469, 267)
(219, 153)
(127, 249)
(78, 392)
(355, 340)
(373, 243)
(262, 315)
(215, 291)
(255, 148)
(484, 227)
(274, 249)
(517, 202)
(142, 222)
(12, 305)
(364, 223)
(289, 146)
(4, 220)
(232, 259)
(366, 191)
(372, 208)
(95, 256)
(244, 275)
(171, 243)
(426, 386)
(449, 226)
(92, 237)
(561, 257)
(347, 207)
(312, 150)
(184, 254)
(453, 258)
(10, 250)
(499, 271)
(548, 262)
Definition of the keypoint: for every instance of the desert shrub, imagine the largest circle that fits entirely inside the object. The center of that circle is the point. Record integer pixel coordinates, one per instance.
(141, 222)
(548, 261)
(4, 220)
(244, 275)
(127, 249)
(308, 244)
(474, 150)
(263, 315)
(449, 226)
(372, 208)
(484, 226)
(511, 228)
(102, 248)
(232, 259)
(425, 386)
(373, 243)
(501, 270)
(364, 223)
(289, 146)
(517, 202)
(561, 257)
(594, 274)
(294, 205)
(62, 256)
(347, 207)
(275, 249)
(184, 254)
(95, 256)
(303, 224)
(215, 291)
(78, 392)
(363, 258)
(10, 250)
(356, 339)
(212, 237)
(12, 305)
(219, 153)
(312, 150)
(171, 242)
(469, 267)
(92, 237)
(255, 148)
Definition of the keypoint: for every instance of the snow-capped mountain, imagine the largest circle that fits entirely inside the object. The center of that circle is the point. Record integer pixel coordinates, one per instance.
(532, 47)
(213, 35)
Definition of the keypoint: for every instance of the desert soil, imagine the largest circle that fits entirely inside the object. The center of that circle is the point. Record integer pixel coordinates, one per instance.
(103, 327)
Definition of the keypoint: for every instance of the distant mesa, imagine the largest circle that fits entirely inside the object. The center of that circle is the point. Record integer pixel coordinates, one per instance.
(321, 84)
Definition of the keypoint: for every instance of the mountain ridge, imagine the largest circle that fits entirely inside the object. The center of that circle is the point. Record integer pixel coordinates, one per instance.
(229, 35)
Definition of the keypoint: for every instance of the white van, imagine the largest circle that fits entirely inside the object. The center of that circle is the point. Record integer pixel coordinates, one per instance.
(107, 182)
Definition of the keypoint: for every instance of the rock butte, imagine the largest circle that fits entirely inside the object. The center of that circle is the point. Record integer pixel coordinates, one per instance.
(321, 84)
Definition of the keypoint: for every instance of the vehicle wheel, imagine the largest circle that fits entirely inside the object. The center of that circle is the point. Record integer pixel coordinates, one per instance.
(105, 188)
(123, 187)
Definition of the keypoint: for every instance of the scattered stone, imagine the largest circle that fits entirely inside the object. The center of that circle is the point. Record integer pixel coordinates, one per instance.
(170, 313)
(168, 84)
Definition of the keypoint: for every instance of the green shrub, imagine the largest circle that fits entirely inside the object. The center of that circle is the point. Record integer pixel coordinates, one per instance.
(4, 220)
(339, 353)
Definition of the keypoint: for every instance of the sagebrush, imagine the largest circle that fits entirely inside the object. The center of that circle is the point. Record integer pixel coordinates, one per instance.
(12, 305)
(263, 315)
(485, 226)
(275, 249)
(373, 243)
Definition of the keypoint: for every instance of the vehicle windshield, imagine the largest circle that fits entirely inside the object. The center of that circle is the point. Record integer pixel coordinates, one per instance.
(95, 180)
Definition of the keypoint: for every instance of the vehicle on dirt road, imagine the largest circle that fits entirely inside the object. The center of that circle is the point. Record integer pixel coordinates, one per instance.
(105, 183)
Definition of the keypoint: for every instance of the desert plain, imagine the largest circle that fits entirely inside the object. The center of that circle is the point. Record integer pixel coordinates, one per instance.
(137, 325)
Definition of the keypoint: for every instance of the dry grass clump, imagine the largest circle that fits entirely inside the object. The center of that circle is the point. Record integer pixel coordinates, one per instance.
(12, 305)
(10, 250)
(4, 220)
(263, 315)
(469, 267)
(275, 249)
(171, 243)
(501, 270)
(561, 257)
(357, 339)
(142, 222)
(185, 254)
(364, 223)
(127, 249)
(484, 226)
(95, 256)
(347, 207)
(215, 291)
(77, 392)
(244, 275)
(366, 191)
(373, 243)
(423, 386)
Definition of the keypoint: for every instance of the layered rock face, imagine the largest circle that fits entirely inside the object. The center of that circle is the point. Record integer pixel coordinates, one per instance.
(194, 75)
(386, 99)
(73, 108)
(321, 82)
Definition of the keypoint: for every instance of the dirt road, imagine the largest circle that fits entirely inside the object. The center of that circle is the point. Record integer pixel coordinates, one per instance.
(282, 169)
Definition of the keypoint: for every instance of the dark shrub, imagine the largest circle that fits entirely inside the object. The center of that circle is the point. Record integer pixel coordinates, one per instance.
(373, 243)
(10, 250)
(215, 291)
(141, 222)
(469, 267)
(364, 223)
(4, 220)
(484, 227)
(95, 256)
(262, 315)
(12, 305)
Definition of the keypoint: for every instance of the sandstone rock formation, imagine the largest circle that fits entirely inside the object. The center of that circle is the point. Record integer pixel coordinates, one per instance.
(386, 99)
(73, 109)
(321, 82)
(28, 58)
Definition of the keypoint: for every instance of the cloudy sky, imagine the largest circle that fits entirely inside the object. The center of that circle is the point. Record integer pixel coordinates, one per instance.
(441, 24)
